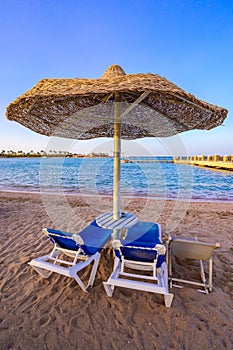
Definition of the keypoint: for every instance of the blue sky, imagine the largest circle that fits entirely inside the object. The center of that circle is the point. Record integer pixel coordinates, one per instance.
(188, 42)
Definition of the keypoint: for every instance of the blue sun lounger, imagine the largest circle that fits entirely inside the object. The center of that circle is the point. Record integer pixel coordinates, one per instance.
(73, 253)
(141, 250)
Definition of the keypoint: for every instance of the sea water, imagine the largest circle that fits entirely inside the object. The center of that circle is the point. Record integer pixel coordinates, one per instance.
(94, 176)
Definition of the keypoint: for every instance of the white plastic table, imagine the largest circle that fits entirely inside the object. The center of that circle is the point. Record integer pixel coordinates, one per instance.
(126, 220)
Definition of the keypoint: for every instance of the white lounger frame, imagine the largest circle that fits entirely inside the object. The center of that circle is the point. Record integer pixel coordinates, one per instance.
(47, 264)
(157, 282)
(195, 250)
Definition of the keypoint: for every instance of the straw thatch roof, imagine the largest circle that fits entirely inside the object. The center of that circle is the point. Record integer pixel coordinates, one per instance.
(84, 108)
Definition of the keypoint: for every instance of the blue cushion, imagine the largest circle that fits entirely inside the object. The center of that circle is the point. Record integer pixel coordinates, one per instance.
(140, 255)
(63, 239)
(93, 236)
(142, 234)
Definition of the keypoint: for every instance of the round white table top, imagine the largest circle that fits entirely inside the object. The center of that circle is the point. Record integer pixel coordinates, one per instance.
(126, 220)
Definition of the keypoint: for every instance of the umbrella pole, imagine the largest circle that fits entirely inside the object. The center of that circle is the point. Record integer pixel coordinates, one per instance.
(117, 157)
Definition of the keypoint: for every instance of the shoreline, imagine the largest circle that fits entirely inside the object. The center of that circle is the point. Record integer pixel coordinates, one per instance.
(75, 194)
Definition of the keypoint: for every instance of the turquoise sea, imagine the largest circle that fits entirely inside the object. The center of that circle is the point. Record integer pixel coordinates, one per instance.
(94, 176)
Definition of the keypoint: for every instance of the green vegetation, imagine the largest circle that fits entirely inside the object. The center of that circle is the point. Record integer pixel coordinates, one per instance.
(51, 153)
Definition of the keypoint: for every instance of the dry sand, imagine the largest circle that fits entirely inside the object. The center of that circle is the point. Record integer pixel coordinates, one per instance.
(56, 314)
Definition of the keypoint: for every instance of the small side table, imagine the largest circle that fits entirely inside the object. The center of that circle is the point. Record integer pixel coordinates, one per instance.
(126, 220)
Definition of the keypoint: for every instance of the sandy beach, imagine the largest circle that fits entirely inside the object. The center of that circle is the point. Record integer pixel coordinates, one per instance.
(56, 314)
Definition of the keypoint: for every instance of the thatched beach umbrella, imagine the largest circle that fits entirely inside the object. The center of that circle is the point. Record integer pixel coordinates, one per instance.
(119, 105)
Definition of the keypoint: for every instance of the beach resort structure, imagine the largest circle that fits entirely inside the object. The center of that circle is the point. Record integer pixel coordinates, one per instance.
(146, 160)
(215, 161)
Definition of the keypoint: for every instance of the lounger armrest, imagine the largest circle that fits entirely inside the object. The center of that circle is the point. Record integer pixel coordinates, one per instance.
(161, 249)
(78, 239)
(116, 244)
(45, 232)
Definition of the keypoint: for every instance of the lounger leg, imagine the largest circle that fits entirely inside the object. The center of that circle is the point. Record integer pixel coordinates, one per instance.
(41, 272)
(168, 299)
(203, 277)
(74, 271)
(109, 289)
(80, 283)
(116, 263)
(210, 273)
(169, 266)
(164, 275)
(94, 270)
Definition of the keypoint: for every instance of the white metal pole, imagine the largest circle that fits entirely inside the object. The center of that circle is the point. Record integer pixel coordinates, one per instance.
(117, 157)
